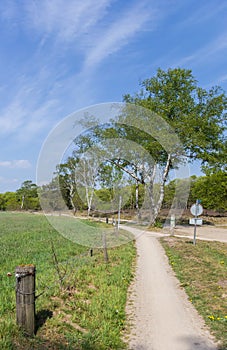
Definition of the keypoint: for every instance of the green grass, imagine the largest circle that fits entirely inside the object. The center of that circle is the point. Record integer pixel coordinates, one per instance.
(202, 271)
(87, 311)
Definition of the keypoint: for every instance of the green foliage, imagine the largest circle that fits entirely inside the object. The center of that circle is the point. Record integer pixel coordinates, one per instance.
(2, 202)
(178, 120)
(212, 190)
(10, 201)
(28, 196)
(104, 194)
(197, 116)
(178, 199)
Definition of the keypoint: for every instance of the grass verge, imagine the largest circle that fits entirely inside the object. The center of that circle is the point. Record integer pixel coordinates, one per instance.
(202, 271)
(87, 311)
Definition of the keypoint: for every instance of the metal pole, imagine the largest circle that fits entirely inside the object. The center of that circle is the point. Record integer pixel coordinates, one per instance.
(196, 215)
(119, 213)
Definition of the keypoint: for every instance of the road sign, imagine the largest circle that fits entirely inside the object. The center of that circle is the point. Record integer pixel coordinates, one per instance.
(196, 221)
(196, 209)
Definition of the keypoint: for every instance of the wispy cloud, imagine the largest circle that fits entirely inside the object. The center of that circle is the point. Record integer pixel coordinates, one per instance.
(216, 47)
(16, 164)
(204, 12)
(118, 34)
(24, 116)
(89, 28)
(64, 20)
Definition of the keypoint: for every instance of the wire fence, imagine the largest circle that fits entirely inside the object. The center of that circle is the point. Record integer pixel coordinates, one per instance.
(63, 271)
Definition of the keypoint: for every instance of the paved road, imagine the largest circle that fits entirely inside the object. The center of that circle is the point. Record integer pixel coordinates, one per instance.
(161, 315)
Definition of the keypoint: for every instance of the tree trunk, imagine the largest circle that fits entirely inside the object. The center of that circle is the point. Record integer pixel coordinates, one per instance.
(137, 200)
(156, 208)
(22, 202)
(71, 195)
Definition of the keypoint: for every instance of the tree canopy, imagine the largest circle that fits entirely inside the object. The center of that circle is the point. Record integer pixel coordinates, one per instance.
(197, 115)
(169, 121)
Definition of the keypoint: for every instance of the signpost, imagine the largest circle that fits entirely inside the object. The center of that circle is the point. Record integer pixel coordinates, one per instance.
(196, 210)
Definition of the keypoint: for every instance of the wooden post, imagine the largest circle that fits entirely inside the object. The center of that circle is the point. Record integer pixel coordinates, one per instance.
(25, 298)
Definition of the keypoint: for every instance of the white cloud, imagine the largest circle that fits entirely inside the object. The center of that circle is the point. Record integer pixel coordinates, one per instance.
(118, 34)
(208, 52)
(36, 95)
(23, 120)
(16, 164)
(204, 12)
(65, 20)
(25, 115)
(89, 27)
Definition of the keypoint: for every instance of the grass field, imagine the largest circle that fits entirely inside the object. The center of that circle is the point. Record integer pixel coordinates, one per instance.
(86, 311)
(202, 271)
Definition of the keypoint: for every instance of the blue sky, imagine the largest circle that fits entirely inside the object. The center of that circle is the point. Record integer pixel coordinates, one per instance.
(59, 56)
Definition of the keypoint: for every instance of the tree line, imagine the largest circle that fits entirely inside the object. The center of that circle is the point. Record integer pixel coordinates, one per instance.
(169, 121)
(210, 189)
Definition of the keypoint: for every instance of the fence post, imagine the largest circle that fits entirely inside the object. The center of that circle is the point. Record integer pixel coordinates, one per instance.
(25, 298)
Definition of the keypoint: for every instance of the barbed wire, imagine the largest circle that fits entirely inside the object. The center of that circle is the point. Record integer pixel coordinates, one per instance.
(46, 287)
(66, 275)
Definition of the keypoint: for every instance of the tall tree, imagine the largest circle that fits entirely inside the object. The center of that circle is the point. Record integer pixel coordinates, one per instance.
(28, 195)
(197, 117)
(212, 190)
(187, 123)
(67, 181)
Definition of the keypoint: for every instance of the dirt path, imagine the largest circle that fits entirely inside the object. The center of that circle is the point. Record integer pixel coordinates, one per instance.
(207, 233)
(161, 316)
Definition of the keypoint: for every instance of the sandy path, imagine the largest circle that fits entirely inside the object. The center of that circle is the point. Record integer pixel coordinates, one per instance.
(206, 233)
(161, 316)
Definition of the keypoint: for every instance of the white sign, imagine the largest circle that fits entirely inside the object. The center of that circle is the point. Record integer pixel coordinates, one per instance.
(196, 209)
(196, 221)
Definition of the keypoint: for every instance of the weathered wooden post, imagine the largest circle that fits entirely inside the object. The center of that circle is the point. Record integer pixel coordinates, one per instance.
(25, 298)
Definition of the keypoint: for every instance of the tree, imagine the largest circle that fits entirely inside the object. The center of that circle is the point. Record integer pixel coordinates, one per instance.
(187, 123)
(179, 201)
(28, 195)
(211, 190)
(67, 182)
(11, 201)
(86, 175)
(2, 202)
(50, 196)
(197, 117)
